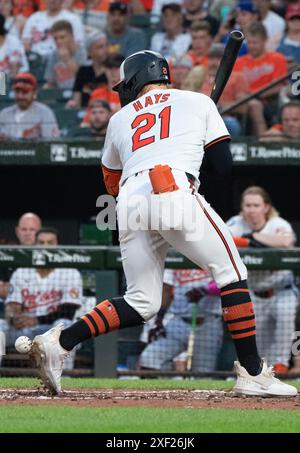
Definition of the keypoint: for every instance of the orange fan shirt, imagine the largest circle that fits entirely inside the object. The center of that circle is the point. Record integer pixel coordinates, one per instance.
(196, 59)
(101, 6)
(261, 71)
(236, 88)
(105, 94)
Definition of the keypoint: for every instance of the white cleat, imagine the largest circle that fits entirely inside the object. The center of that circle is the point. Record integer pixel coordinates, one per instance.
(264, 384)
(49, 358)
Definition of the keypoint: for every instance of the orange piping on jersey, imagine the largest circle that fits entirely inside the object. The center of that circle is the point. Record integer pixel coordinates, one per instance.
(111, 179)
(217, 140)
(224, 242)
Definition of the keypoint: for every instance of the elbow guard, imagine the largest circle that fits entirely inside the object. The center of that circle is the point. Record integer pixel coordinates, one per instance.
(111, 180)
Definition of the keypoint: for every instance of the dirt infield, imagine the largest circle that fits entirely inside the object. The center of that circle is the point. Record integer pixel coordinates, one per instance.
(146, 398)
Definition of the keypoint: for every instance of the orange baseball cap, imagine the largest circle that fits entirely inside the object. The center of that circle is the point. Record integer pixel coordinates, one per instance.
(25, 81)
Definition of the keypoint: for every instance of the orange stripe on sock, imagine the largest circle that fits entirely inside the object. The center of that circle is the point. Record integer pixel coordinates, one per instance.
(231, 291)
(90, 325)
(238, 311)
(110, 313)
(241, 325)
(98, 321)
(243, 335)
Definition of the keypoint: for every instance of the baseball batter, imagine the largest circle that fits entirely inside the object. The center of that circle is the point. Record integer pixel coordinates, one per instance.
(152, 155)
(184, 284)
(274, 293)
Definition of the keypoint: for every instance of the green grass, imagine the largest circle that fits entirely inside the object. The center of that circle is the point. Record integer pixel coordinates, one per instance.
(154, 384)
(45, 419)
(49, 418)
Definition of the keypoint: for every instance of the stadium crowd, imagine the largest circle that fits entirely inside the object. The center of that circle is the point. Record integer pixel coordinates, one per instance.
(62, 58)
(73, 50)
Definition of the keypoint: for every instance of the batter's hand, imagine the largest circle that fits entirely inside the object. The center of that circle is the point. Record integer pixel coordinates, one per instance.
(157, 331)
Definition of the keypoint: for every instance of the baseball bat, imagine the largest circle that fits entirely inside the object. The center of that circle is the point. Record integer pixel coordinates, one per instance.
(227, 62)
(191, 342)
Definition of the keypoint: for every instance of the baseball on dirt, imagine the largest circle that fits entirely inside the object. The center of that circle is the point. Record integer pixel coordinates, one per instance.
(23, 344)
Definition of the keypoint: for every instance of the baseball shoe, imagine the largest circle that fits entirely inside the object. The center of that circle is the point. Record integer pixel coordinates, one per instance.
(264, 384)
(49, 357)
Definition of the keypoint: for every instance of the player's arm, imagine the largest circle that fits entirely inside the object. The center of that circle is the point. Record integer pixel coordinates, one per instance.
(282, 239)
(216, 142)
(111, 163)
(219, 158)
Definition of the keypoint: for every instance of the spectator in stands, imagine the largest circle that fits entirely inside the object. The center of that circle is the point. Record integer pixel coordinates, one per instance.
(105, 92)
(201, 41)
(289, 128)
(259, 66)
(26, 229)
(274, 294)
(180, 68)
(63, 63)
(27, 118)
(99, 115)
(36, 34)
(275, 24)
(123, 39)
(194, 11)
(42, 297)
(13, 24)
(157, 9)
(169, 337)
(12, 53)
(236, 89)
(92, 75)
(202, 79)
(92, 13)
(244, 14)
(290, 43)
(173, 42)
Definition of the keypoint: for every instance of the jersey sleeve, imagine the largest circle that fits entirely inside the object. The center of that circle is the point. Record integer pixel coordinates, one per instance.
(216, 130)
(14, 292)
(111, 158)
(72, 288)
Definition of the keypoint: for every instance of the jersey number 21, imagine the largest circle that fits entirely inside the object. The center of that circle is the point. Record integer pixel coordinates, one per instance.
(150, 119)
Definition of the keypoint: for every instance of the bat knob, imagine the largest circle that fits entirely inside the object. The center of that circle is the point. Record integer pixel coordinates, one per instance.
(237, 35)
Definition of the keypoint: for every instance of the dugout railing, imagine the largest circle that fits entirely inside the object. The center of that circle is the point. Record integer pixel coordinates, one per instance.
(116, 354)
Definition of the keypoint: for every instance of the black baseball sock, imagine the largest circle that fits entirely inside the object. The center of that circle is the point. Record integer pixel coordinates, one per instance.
(238, 313)
(109, 315)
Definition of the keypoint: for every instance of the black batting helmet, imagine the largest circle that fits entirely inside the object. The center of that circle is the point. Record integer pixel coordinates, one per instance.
(138, 70)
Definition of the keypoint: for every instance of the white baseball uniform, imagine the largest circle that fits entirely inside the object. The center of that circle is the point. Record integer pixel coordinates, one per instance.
(275, 298)
(172, 127)
(209, 331)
